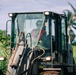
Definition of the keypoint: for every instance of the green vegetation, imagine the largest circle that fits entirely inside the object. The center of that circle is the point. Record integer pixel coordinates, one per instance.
(4, 49)
(74, 55)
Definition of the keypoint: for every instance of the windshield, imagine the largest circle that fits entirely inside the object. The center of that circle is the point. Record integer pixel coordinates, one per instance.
(32, 24)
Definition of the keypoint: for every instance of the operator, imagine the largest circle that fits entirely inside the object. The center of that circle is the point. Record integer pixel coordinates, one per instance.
(35, 32)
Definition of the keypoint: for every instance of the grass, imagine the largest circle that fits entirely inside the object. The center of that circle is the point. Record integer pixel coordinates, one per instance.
(74, 55)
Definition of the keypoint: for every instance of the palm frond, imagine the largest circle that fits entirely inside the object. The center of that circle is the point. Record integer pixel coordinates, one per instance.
(68, 14)
(74, 9)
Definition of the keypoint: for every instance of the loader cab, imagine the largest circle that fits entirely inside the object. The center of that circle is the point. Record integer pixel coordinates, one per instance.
(52, 35)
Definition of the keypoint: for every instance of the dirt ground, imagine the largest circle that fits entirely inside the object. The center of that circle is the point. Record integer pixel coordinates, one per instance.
(54, 73)
(50, 73)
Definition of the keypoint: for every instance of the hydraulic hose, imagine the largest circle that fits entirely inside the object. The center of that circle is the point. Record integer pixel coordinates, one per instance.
(38, 56)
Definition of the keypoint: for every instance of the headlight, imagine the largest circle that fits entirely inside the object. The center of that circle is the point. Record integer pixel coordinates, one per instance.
(48, 58)
(46, 13)
(10, 14)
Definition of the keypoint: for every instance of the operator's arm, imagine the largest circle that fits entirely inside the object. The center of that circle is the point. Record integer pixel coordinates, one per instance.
(33, 33)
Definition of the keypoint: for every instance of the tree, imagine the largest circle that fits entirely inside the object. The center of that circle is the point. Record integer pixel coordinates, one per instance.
(71, 17)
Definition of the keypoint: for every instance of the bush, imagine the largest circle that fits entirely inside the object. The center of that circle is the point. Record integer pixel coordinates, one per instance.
(4, 50)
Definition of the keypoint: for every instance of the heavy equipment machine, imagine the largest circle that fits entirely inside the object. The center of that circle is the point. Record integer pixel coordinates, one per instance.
(48, 53)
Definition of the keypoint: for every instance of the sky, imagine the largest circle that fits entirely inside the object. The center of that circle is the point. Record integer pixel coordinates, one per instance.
(7, 6)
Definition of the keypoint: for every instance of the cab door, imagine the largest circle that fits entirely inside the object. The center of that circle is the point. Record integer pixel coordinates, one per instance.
(64, 39)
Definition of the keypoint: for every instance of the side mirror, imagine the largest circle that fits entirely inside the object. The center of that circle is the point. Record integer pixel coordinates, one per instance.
(8, 28)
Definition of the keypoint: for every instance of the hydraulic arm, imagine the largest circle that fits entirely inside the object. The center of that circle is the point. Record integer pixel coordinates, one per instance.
(17, 56)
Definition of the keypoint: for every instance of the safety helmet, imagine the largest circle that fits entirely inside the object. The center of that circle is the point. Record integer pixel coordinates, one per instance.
(39, 23)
